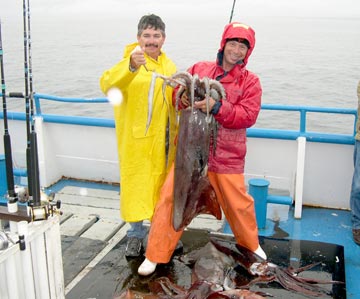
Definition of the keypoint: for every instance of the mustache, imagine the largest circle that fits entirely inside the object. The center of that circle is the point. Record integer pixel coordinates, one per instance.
(151, 45)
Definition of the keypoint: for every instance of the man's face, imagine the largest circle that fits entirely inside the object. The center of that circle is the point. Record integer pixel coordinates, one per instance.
(233, 52)
(152, 41)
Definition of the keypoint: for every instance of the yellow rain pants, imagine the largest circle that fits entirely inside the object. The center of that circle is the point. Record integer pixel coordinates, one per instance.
(237, 205)
(142, 155)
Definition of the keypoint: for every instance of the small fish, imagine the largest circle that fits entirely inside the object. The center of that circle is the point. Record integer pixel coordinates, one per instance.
(172, 81)
(150, 100)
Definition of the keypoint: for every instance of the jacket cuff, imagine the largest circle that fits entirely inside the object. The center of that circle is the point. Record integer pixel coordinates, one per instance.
(215, 109)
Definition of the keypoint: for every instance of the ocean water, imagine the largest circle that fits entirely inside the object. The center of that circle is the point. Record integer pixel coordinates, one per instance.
(303, 55)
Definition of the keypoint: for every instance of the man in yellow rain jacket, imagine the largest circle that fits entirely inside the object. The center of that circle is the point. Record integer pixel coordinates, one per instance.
(144, 151)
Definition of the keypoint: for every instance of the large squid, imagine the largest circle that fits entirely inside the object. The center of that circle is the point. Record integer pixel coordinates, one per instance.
(193, 194)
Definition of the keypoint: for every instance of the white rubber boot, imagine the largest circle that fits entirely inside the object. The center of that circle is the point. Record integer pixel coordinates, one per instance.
(147, 267)
(260, 252)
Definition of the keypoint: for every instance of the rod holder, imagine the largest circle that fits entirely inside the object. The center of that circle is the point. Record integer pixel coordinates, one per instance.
(259, 190)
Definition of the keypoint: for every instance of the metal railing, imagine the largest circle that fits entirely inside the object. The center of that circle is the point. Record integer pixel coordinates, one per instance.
(251, 132)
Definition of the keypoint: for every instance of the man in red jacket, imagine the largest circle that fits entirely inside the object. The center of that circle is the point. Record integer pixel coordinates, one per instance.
(225, 165)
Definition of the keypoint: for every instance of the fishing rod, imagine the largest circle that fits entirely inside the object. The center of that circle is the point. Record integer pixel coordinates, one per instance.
(31, 149)
(27, 104)
(232, 11)
(7, 140)
(40, 209)
(11, 213)
(33, 136)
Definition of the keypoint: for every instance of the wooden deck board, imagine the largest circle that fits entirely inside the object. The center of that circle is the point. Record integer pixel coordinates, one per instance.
(77, 225)
(84, 211)
(207, 223)
(87, 201)
(114, 241)
(97, 193)
(77, 256)
(103, 230)
(65, 216)
(90, 218)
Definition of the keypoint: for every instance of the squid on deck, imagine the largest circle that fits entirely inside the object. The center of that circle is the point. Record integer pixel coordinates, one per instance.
(265, 272)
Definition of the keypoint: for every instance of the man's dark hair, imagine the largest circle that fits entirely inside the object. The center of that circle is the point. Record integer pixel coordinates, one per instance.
(151, 21)
(240, 40)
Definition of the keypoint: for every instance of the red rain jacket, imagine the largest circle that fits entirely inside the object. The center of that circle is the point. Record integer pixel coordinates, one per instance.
(240, 108)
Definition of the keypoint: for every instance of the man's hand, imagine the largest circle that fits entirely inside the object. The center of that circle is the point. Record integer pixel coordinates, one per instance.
(137, 58)
(202, 105)
(184, 99)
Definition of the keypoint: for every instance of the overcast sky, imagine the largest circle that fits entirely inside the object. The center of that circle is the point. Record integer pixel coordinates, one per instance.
(188, 8)
(93, 38)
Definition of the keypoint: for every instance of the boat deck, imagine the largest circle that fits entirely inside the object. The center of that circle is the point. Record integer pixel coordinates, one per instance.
(91, 226)
(92, 232)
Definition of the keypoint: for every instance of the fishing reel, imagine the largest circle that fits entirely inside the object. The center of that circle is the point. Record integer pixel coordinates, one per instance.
(48, 207)
(34, 210)
(41, 209)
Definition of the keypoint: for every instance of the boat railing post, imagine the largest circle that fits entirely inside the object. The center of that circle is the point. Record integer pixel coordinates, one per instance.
(39, 127)
(300, 169)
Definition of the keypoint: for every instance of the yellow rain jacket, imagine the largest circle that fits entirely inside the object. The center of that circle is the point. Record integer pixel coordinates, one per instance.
(142, 155)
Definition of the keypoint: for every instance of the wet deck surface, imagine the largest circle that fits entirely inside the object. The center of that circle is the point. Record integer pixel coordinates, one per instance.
(114, 273)
(91, 227)
(94, 238)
